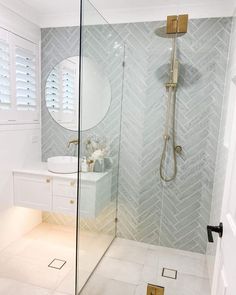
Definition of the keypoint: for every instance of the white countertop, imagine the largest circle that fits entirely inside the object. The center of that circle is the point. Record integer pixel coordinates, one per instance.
(41, 169)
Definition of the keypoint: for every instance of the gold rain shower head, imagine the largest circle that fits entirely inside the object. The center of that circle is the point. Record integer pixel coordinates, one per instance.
(176, 26)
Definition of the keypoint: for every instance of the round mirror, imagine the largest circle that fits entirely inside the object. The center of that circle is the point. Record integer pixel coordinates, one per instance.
(62, 93)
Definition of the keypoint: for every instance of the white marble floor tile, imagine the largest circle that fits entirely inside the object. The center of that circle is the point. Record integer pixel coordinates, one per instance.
(88, 260)
(27, 259)
(48, 251)
(99, 285)
(126, 269)
(185, 285)
(54, 234)
(141, 289)
(120, 270)
(68, 284)
(3, 259)
(191, 280)
(152, 258)
(184, 264)
(130, 253)
(33, 272)
(173, 251)
(149, 275)
(83, 277)
(13, 287)
(17, 247)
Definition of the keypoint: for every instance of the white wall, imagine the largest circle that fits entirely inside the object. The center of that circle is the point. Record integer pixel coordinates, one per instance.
(20, 145)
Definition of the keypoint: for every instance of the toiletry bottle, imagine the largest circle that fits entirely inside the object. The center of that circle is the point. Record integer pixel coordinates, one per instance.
(84, 165)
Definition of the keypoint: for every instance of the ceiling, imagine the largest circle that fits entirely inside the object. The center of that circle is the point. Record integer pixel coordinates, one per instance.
(66, 12)
(132, 4)
(53, 6)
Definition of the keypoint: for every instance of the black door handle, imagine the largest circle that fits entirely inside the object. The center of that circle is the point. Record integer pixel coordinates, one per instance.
(217, 229)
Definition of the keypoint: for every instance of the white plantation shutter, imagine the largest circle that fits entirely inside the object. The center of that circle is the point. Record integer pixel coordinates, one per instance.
(25, 80)
(68, 90)
(60, 93)
(5, 95)
(53, 91)
(19, 80)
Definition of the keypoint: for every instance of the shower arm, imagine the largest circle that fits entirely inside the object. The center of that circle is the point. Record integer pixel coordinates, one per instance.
(171, 90)
(173, 76)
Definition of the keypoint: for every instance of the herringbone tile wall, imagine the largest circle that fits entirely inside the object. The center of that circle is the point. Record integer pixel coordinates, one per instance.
(173, 214)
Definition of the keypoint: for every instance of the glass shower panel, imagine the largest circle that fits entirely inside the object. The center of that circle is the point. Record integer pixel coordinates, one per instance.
(102, 63)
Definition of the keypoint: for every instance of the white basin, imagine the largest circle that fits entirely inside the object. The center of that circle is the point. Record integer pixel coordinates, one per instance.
(63, 164)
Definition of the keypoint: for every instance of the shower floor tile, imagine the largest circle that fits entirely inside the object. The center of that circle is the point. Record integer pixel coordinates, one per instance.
(120, 270)
(99, 285)
(13, 287)
(133, 265)
(127, 267)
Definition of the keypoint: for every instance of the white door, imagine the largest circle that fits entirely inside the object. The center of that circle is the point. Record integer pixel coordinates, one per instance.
(224, 279)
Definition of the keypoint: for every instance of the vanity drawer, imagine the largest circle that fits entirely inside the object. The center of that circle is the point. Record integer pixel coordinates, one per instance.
(65, 188)
(64, 205)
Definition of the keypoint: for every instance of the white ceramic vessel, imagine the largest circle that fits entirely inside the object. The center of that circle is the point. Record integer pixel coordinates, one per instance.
(63, 164)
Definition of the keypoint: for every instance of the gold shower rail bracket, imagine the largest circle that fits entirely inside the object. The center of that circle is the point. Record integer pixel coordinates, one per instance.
(171, 85)
(177, 24)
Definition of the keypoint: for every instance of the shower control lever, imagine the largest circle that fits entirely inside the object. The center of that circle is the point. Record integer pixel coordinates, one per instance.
(217, 229)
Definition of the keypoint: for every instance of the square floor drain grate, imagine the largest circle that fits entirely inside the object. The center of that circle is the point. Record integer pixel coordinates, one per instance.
(169, 273)
(57, 263)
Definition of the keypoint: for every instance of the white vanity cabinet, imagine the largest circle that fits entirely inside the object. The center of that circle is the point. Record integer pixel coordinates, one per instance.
(46, 191)
(33, 191)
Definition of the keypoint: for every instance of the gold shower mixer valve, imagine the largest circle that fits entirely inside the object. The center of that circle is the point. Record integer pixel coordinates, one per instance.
(178, 149)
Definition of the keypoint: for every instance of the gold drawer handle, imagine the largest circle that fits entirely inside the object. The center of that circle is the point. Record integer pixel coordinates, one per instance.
(72, 201)
(48, 180)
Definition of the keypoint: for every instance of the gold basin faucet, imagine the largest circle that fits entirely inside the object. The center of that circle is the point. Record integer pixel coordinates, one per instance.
(74, 141)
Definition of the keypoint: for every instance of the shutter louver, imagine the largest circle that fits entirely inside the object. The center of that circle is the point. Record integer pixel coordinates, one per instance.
(60, 93)
(5, 97)
(53, 91)
(25, 80)
(68, 90)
